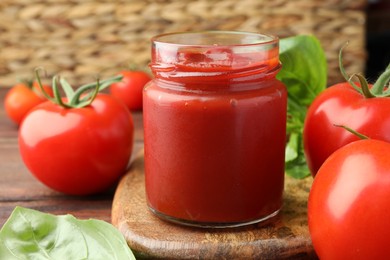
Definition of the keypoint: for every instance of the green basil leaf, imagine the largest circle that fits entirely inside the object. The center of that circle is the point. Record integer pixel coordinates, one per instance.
(292, 148)
(304, 67)
(30, 234)
(304, 72)
(298, 168)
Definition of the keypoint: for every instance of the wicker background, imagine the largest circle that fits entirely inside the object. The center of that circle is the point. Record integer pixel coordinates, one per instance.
(80, 39)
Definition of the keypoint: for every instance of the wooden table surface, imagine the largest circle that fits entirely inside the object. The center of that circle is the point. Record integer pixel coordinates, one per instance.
(19, 188)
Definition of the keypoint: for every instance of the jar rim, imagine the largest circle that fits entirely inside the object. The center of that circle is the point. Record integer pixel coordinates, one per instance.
(198, 54)
(221, 38)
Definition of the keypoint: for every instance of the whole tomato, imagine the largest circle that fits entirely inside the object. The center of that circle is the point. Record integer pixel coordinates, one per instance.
(348, 207)
(79, 147)
(363, 108)
(129, 90)
(21, 98)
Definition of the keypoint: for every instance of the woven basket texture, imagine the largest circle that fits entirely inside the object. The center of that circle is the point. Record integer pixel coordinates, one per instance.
(82, 39)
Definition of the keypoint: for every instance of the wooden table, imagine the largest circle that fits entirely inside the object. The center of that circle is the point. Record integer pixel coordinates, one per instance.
(19, 188)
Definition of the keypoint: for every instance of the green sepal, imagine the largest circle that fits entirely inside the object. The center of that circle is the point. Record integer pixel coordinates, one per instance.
(360, 135)
(57, 95)
(381, 85)
(344, 73)
(69, 92)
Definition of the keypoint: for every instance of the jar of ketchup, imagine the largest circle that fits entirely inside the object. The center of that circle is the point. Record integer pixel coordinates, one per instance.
(215, 128)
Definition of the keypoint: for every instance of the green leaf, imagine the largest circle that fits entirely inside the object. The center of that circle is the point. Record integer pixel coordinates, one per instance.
(30, 234)
(304, 67)
(298, 168)
(292, 148)
(304, 72)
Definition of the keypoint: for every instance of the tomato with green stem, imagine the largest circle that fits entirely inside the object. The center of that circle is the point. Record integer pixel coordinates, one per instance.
(348, 206)
(130, 89)
(22, 97)
(80, 144)
(364, 108)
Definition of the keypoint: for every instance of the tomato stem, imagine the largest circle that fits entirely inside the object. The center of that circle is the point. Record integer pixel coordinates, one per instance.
(379, 89)
(78, 98)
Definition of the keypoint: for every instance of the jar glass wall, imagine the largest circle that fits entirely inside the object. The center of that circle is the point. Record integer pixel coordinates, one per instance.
(215, 128)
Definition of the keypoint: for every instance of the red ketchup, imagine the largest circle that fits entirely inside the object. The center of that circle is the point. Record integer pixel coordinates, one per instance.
(215, 128)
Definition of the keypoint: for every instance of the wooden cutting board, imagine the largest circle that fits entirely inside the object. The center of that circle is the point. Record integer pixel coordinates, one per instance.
(284, 237)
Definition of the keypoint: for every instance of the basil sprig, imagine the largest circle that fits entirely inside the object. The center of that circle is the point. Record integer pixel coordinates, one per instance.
(304, 72)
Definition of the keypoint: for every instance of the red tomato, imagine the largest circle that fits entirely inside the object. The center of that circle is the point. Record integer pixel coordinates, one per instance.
(348, 207)
(129, 90)
(342, 105)
(78, 150)
(22, 98)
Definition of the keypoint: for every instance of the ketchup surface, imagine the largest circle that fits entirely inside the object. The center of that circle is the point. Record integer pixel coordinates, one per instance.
(215, 132)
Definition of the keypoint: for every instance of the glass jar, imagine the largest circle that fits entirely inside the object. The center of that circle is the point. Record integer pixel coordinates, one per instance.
(215, 128)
